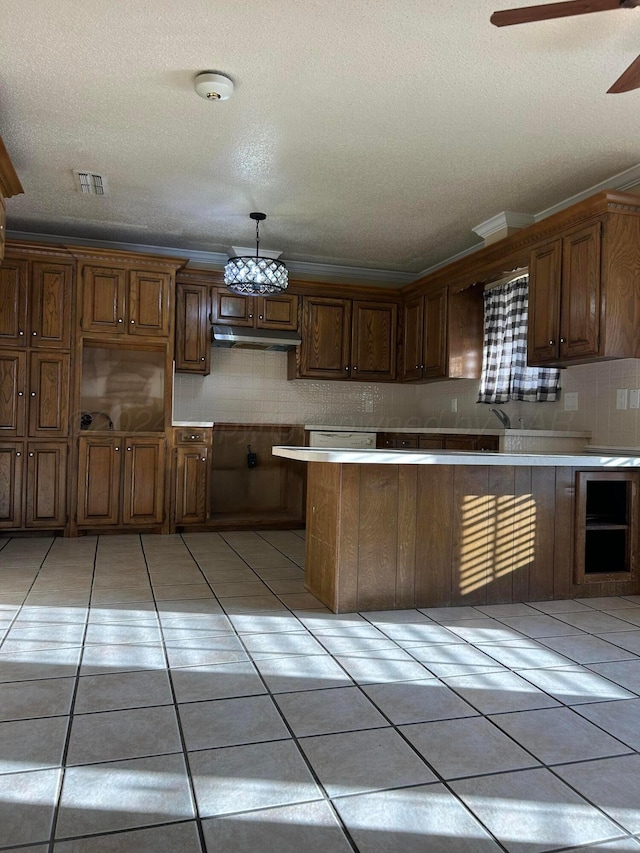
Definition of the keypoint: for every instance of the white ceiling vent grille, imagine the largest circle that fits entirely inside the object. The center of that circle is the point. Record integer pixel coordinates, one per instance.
(90, 183)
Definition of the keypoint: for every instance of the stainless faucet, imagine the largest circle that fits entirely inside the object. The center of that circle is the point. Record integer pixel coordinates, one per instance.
(503, 417)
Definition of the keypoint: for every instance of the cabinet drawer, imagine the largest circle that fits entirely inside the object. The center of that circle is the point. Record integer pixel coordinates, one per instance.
(192, 436)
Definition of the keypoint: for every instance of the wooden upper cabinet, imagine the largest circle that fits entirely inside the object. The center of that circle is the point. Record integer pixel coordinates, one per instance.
(48, 394)
(413, 339)
(435, 346)
(103, 299)
(193, 340)
(13, 381)
(326, 339)
(374, 341)
(118, 300)
(51, 288)
(580, 300)
(564, 298)
(149, 303)
(259, 312)
(13, 303)
(278, 312)
(545, 272)
(230, 309)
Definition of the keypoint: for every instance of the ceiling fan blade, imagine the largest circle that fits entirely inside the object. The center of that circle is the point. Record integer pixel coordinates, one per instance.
(628, 80)
(528, 14)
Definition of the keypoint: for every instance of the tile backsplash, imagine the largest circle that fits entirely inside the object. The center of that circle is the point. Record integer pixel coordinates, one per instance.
(249, 386)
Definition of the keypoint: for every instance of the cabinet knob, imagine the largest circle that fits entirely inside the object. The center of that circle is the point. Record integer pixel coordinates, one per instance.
(561, 340)
(21, 333)
(422, 367)
(261, 317)
(551, 343)
(18, 454)
(33, 393)
(31, 454)
(250, 316)
(128, 448)
(35, 334)
(116, 448)
(203, 358)
(132, 322)
(204, 458)
(354, 368)
(119, 319)
(346, 368)
(417, 367)
(20, 393)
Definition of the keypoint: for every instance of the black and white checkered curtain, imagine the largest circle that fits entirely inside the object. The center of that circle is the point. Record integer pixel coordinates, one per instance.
(505, 375)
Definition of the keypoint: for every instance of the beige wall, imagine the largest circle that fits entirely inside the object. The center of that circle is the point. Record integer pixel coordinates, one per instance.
(246, 386)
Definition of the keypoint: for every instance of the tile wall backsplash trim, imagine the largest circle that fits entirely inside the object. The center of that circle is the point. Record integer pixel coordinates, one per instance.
(247, 386)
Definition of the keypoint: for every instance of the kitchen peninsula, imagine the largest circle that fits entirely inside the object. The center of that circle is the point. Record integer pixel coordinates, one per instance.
(400, 529)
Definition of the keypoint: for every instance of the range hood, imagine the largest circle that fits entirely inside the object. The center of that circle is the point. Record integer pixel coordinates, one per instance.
(264, 339)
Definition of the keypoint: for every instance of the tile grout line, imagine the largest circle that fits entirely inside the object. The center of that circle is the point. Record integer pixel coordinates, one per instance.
(65, 749)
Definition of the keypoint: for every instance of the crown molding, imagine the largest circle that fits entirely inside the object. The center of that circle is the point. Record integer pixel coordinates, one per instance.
(506, 219)
(217, 260)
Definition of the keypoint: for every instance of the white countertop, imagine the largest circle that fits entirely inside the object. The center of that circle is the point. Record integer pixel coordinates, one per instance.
(452, 431)
(454, 457)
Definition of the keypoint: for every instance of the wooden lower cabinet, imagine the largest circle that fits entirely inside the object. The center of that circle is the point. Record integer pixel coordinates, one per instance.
(121, 481)
(33, 485)
(191, 485)
(11, 476)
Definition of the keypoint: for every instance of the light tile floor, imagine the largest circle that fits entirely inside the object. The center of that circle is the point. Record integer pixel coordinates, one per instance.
(185, 694)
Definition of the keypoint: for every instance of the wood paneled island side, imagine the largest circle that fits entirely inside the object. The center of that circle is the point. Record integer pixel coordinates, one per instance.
(402, 529)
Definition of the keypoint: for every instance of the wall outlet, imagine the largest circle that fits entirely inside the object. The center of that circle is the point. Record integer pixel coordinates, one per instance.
(622, 395)
(454, 404)
(634, 398)
(571, 401)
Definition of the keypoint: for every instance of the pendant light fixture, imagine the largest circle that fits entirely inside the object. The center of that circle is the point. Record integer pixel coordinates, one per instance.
(255, 275)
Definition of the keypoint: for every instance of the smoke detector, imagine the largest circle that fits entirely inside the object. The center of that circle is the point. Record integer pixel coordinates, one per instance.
(213, 87)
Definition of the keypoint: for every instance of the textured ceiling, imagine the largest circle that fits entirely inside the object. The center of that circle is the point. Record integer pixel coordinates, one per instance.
(374, 133)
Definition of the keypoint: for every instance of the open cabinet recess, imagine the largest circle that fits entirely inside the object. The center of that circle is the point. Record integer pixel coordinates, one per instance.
(606, 526)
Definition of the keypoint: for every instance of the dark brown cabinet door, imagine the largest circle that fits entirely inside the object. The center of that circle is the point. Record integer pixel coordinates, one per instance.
(229, 309)
(435, 345)
(51, 288)
(11, 471)
(149, 304)
(413, 339)
(48, 394)
(13, 303)
(326, 338)
(46, 485)
(99, 464)
(545, 272)
(103, 300)
(12, 392)
(459, 442)
(143, 491)
(431, 442)
(278, 312)
(374, 341)
(191, 485)
(580, 303)
(193, 341)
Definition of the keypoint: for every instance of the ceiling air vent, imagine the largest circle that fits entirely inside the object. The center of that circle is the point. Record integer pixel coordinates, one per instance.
(90, 183)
